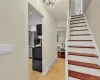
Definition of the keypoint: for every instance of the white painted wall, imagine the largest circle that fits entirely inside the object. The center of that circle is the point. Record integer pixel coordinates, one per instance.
(14, 30)
(61, 37)
(86, 4)
(61, 31)
(93, 16)
(61, 24)
(72, 7)
(49, 35)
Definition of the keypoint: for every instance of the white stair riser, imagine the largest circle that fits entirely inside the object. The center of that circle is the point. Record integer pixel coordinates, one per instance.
(87, 37)
(83, 59)
(78, 21)
(82, 50)
(77, 18)
(70, 78)
(80, 24)
(78, 28)
(76, 43)
(79, 32)
(85, 70)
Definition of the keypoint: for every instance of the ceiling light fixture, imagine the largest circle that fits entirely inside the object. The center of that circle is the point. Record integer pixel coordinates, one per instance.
(49, 3)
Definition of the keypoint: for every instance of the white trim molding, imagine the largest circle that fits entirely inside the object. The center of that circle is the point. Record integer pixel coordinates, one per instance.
(94, 42)
(66, 42)
(50, 65)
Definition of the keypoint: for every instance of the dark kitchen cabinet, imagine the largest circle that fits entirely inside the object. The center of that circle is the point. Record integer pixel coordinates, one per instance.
(37, 58)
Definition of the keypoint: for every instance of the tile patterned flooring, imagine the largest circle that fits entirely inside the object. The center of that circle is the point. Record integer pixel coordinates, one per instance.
(57, 72)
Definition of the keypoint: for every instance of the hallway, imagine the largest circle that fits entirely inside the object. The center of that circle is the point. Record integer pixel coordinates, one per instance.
(57, 72)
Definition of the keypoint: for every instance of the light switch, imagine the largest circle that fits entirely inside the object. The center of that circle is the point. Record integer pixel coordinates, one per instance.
(5, 48)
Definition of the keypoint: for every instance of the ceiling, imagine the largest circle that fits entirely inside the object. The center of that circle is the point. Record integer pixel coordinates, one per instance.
(59, 11)
(33, 14)
(34, 17)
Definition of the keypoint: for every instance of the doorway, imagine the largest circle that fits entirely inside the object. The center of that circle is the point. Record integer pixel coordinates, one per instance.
(35, 60)
(78, 7)
(35, 40)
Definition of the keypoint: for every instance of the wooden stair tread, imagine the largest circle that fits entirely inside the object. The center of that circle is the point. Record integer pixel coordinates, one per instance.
(79, 30)
(77, 23)
(78, 26)
(76, 20)
(83, 54)
(80, 35)
(82, 47)
(82, 76)
(80, 40)
(83, 64)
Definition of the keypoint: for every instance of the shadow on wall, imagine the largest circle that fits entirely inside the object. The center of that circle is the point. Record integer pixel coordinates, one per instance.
(72, 3)
(87, 3)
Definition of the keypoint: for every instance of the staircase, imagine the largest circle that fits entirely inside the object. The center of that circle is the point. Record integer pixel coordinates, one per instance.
(82, 58)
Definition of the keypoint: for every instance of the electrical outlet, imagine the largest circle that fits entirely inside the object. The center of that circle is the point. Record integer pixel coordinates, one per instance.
(5, 48)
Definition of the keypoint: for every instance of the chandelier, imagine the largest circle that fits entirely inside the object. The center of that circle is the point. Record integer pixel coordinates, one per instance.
(49, 3)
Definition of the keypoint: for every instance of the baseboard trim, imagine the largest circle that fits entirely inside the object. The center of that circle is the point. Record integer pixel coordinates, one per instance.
(50, 65)
(94, 42)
